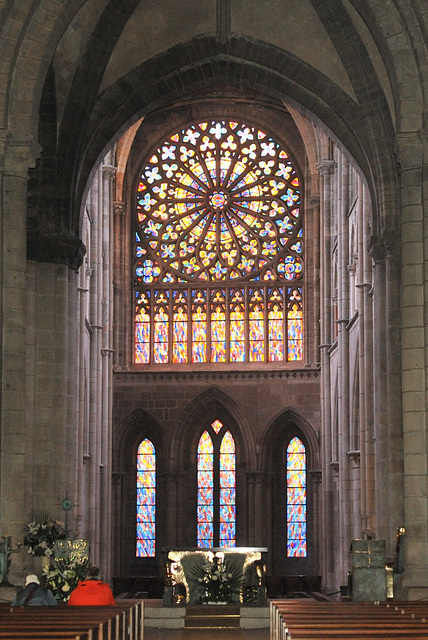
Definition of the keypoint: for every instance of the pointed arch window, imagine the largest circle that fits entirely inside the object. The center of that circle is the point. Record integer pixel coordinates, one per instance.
(146, 500)
(218, 249)
(296, 499)
(216, 493)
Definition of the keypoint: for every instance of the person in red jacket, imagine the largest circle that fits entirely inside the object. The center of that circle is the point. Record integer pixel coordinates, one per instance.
(92, 591)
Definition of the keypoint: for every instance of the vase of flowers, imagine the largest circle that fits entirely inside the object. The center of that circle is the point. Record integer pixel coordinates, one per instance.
(41, 535)
(220, 581)
(65, 576)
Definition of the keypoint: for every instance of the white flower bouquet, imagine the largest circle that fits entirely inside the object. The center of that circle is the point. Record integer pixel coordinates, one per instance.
(65, 576)
(219, 580)
(41, 535)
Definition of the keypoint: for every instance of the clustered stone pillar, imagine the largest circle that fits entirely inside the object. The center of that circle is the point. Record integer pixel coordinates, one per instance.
(14, 477)
(326, 169)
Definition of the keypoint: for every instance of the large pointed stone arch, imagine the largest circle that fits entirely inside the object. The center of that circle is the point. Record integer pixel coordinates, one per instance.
(212, 403)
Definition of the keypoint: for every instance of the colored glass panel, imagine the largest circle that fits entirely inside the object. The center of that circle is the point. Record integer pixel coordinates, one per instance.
(146, 500)
(161, 327)
(296, 499)
(227, 480)
(295, 325)
(179, 326)
(217, 426)
(218, 202)
(142, 328)
(256, 327)
(205, 508)
(237, 326)
(218, 327)
(275, 326)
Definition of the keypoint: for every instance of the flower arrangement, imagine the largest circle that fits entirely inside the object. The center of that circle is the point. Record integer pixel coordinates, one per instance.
(65, 576)
(41, 535)
(220, 581)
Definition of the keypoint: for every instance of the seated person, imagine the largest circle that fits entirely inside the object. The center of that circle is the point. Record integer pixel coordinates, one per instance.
(92, 591)
(33, 595)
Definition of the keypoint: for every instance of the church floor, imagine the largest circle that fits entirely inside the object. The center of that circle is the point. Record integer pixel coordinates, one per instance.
(206, 634)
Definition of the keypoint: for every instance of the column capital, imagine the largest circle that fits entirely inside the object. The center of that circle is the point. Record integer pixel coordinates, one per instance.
(118, 208)
(326, 167)
(377, 249)
(19, 154)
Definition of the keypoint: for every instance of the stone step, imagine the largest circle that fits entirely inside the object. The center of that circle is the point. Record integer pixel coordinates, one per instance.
(216, 616)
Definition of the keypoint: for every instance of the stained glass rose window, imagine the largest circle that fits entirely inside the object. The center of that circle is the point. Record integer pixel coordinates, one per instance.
(217, 203)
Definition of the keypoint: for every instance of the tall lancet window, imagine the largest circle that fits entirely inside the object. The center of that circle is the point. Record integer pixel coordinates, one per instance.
(218, 249)
(296, 499)
(146, 500)
(216, 503)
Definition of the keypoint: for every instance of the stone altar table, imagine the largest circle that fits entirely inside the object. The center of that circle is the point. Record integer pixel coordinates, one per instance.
(183, 566)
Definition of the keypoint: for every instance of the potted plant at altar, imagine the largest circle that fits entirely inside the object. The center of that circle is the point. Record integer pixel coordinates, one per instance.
(41, 535)
(220, 581)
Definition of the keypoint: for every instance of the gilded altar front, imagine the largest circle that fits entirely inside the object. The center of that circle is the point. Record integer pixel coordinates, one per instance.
(184, 568)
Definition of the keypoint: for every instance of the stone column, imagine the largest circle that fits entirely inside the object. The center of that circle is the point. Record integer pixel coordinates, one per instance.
(121, 301)
(94, 463)
(413, 150)
(106, 215)
(257, 508)
(18, 156)
(377, 250)
(365, 320)
(326, 169)
(345, 515)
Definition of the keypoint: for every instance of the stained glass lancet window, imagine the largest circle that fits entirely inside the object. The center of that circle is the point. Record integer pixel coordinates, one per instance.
(216, 503)
(218, 249)
(296, 499)
(146, 500)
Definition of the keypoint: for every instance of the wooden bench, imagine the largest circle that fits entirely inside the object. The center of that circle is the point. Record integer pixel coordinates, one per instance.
(125, 621)
(298, 620)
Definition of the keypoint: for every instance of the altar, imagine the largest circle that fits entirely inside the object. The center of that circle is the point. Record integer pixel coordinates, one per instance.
(215, 575)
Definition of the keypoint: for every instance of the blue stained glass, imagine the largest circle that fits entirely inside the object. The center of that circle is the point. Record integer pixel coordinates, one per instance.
(145, 549)
(227, 496)
(146, 496)
(296, 512)
(146, 531)
(146, 500)
(227, 479)
(296, 499)
(205, 531)
(204, 544)
(146, 512)
(205, 495)
(146, 478)
(297, 530)
(297, 549)
(227, 531)
(216, 487)
(205, 478)
(205, 513)
(227, 513)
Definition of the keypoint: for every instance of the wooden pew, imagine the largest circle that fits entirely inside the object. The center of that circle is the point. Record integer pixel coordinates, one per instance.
(125, 621)
(298, 620)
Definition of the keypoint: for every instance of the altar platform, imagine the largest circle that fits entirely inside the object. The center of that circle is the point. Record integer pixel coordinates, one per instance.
(159, 616)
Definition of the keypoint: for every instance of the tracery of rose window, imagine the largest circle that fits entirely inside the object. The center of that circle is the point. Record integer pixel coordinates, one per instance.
(218, 208)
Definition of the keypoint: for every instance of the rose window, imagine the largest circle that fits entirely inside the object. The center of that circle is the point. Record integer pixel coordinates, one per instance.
(218, 202)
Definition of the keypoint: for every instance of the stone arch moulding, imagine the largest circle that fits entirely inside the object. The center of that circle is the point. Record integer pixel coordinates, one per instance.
(289, 422)
(279, 76)
(129, 432)
(211, 404)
